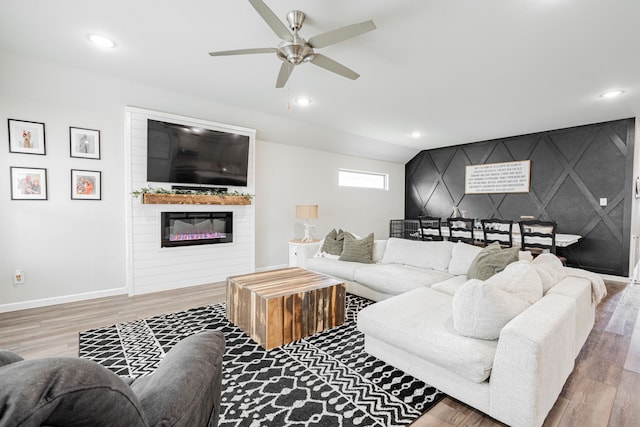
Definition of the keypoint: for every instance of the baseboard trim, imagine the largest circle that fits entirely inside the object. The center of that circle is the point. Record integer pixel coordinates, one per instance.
(5, 308)
(612, 278)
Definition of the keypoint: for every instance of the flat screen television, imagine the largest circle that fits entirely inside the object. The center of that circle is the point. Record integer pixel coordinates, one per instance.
(183, 154)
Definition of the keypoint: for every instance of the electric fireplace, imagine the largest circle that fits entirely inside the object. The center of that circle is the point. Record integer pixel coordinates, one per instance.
(196, 228)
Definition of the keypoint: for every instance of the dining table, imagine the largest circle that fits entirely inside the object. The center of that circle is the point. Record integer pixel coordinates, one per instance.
(563, 240)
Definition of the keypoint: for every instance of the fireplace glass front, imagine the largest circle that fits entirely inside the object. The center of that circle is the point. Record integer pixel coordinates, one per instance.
(196, 228)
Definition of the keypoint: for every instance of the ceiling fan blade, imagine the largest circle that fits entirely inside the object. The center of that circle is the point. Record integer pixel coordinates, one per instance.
(244, 51)
(285, 71)
(333, 66)
(344, 33)
(272, 20)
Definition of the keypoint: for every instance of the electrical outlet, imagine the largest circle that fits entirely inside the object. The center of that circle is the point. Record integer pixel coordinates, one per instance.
(18, 277)
(603, 201)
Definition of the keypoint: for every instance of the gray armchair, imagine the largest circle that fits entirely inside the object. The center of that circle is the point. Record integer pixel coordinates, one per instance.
(185, 390)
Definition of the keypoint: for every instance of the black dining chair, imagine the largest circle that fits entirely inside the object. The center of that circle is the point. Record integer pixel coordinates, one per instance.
(497, 230)
(461, 230)
(538, 236)
(430, 228)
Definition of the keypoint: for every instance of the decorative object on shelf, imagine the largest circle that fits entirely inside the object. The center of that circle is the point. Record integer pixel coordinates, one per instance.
(191, 197)
(26, 137)
(307, 212)
(86, 185)
(28, 183)
(84, 143)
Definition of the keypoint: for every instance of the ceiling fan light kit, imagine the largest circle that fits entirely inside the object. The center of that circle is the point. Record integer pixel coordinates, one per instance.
(294, 50)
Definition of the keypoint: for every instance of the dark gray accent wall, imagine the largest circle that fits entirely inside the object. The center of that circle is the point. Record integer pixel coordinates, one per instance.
(571, 169)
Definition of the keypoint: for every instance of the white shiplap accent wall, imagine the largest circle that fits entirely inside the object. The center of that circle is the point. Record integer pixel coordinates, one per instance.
(151, 268)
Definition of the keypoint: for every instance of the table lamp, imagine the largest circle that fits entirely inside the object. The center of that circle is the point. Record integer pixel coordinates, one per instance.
(307, 212)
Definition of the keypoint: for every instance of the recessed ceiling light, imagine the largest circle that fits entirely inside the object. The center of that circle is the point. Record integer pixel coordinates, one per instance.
(612, 93)
(302, 101)
(417, 134)
(101, 41)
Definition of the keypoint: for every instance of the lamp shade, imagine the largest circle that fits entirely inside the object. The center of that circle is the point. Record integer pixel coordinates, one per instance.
(306, 211)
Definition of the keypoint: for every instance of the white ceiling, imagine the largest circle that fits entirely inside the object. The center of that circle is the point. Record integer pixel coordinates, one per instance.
(458, 70)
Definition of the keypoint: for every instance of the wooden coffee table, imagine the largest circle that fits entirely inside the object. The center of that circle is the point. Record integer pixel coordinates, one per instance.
(280, 306)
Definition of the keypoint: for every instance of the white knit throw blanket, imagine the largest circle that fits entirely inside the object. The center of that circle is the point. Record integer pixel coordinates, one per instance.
(598, 288)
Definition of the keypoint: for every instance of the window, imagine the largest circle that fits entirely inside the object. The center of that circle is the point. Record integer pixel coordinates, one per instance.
(361, 179)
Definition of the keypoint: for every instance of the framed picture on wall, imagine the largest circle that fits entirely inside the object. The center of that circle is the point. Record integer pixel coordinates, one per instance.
(86, 185)
(28, 183)
(26, 137)
(85, 143)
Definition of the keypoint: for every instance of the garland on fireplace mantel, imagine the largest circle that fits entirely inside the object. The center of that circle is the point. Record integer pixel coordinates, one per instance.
(198, 197)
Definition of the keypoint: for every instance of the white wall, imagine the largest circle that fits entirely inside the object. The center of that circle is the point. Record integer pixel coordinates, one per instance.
(287, 176)
(72, 249)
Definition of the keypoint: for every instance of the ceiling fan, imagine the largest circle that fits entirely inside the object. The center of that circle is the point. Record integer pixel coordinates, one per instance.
(294, 50)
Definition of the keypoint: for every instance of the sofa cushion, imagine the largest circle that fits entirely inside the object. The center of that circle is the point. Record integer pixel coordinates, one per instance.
(451, 285)
(342, 269)
(491, 260)
(357, 250)
(462, 255)
(395, 279)
(482, 308)
(550, 270)
(379, 246)
(432, 255)
(420, 322)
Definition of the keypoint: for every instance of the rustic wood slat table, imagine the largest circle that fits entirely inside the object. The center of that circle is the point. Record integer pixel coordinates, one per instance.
(280, 306)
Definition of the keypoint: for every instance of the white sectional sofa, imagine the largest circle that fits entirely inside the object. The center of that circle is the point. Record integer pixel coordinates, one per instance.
(515, 378)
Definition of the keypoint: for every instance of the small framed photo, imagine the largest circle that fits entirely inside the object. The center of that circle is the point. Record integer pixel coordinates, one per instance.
(86, 185)
(26, 137)
(28, 183)
(84, 143)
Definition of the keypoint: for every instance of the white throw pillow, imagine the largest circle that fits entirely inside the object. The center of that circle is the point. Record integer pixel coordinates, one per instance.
(520, 279)
(550, 270)
(481, 310)
(462, 255)
(433, 255)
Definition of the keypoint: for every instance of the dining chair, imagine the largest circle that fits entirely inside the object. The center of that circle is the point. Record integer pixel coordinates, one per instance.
(497, 230)
(538, 235)
(430, 228)
(461, 230)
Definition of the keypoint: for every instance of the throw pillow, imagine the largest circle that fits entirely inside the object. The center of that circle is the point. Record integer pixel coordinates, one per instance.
(519, 279)
(491, 260)
(481, 310)
(357, 250)
(550, 270)
(333, 242)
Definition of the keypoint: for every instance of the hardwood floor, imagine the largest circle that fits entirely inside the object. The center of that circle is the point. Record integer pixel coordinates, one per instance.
(602, 390)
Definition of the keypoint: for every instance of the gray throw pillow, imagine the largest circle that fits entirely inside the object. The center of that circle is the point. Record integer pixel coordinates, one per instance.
(333, 242)
(357, 250)
(491, 260)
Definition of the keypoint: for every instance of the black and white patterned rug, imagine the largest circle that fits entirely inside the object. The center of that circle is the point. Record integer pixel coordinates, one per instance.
(323, 380)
